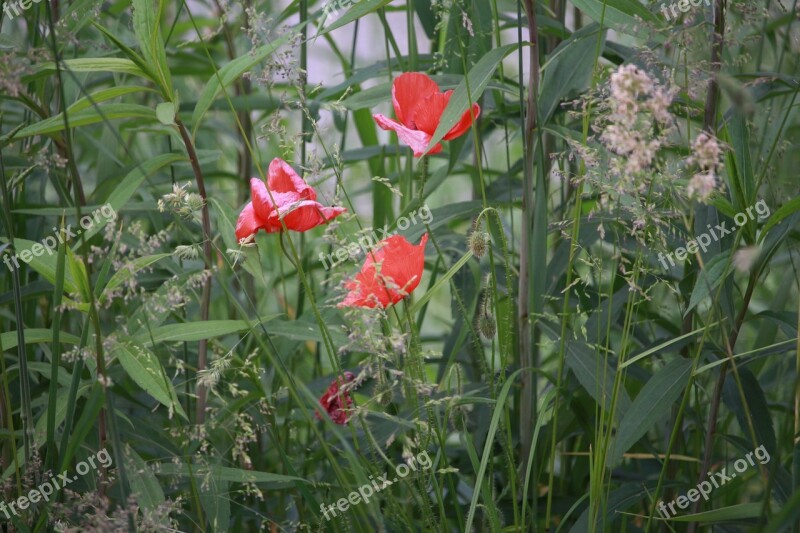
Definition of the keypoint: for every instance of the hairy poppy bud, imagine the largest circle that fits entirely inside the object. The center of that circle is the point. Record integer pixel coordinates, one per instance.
(478, 243)
(487, 326)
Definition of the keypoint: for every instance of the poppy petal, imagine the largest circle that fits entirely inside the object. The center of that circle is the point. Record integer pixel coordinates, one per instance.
(262, 204)
(366, 290)
(336, 402)
(401, 270)
(408, 91)
(283, 179)
(390, 273)
(302, 216)
(428, 114)
(248, 224)
(464, 124)
(417, 140)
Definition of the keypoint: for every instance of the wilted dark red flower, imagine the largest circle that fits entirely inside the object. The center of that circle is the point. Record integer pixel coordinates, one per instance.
(419, 104)
(295, 202)
(336, 402)
(390, 273)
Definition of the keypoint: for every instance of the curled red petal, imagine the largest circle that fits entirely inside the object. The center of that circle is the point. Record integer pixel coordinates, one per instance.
(408, 91)
(417, 140)
(336, 402)
(248, 224)
(302, 216)
(464, 123)
(283, 179)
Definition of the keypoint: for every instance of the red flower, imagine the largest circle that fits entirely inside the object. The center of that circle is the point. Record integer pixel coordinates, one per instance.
(335, 402)
(419, 104)
(399, 271)
(295, 202)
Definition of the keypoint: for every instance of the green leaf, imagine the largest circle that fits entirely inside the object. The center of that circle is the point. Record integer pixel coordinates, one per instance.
(193, 331)
(144, 484)
(131, 183)
(734, 512)
(8, 340)
(787, 209)
(145, 370)
(165, 112)
(94, 64)
(44, 264)
(757, 408)
(787, 516)
(488, 448)
(660, 347)
(146, 28)
(569, 69)
(708, 280)
(440, 282)
(303, 331)
(216, 502)
(233, 70)
(63, 378)
(478, 78)
(233, 475)
(60, 409)
(85, 117)
(627, 495)
(620, 15)
(594, 374)
(360, 9)
(653, 404)
(8, 43)
(78, 272)
(104, 95)
(129, 270)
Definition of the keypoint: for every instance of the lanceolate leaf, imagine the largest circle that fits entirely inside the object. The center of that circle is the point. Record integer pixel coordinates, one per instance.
(709, 279)
(569, 69)
(232, 71)
(233, 475)
(44, 263)
(621, 15)
(595, 376)
(145, 370)
(129, 270)
(92, 115)
(358, 10)
(8, 339)
(193, 331)
(144, 483)
(652, 405)
(757, 412)
(94, 64)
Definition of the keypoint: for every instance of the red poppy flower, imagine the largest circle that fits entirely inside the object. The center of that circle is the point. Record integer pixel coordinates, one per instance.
(295, 203)
(336, 402)
(391, 272)
(419, 104)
